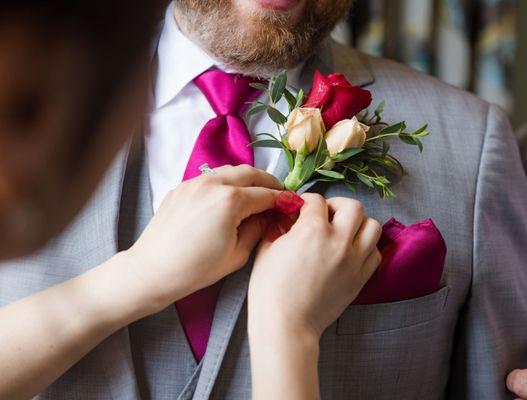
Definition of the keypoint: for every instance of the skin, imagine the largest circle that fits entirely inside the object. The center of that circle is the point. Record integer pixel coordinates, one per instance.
(297, 291)
(64, 115)
(517, 383)
(158, 270)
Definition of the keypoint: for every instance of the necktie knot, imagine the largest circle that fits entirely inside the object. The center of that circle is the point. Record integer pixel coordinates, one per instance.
(228, 94)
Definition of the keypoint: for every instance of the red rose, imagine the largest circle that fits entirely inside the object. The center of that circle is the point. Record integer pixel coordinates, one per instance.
(337, 98)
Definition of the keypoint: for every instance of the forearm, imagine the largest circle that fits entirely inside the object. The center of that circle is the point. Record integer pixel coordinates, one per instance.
(284, 363)
(44, 334)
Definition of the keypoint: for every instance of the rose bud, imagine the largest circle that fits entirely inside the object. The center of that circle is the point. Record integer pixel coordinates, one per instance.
(346, 134)
(305, 127)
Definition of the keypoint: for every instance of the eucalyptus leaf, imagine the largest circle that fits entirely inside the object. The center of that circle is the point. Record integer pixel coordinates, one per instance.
(259, 86)
(278, 87)
(267, 143)
(380, 108)
(385, 148)
(255, 109)
(321, 153)
(421, 131)
(408, 139)
(308, 168)
(299, 98)
(367, 181)
(291, 99)
(269, 135)
(276, 116)
(331, 174)
(347, 154)
(290, 159)
(395, 128)
(351, 186)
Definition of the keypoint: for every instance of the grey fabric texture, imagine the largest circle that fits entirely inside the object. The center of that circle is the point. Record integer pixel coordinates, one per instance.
(457, 343)
(522, 137)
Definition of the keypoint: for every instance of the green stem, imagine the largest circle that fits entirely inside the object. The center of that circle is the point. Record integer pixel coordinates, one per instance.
(293, 181)
(382, 136)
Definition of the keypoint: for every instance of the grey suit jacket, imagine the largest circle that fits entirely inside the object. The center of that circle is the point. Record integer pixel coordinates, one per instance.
(457, 343)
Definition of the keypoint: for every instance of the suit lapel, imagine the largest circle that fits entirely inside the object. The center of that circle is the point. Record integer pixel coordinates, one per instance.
(331, 57)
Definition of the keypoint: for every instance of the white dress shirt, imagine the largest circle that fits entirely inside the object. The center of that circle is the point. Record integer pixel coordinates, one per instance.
(180, 111)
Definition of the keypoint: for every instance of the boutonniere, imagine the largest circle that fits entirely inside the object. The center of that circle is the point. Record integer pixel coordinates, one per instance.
(329, 136)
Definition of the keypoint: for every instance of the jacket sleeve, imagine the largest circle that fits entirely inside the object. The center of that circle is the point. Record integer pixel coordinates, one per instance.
(491, 337)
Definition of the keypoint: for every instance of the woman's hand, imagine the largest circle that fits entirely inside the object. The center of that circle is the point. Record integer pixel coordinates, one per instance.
(300, 284)
(205, 229)
(306, 278)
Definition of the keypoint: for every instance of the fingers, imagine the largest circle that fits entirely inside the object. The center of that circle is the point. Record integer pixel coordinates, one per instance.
(314, 208)
(347, 215)
(517, 383)
(255, 200)
(249, 234)
(367, 237)
(246, 176)
(371, 264)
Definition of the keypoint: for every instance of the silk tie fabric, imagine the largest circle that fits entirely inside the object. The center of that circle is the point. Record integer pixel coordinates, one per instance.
(224, 140)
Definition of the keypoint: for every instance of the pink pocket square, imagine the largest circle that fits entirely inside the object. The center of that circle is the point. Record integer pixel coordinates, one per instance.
(413, 259)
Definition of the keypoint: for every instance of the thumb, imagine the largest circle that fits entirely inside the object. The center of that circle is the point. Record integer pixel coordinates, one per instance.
(517, 383)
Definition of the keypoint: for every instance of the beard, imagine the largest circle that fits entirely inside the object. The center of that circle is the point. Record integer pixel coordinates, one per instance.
(258, 43)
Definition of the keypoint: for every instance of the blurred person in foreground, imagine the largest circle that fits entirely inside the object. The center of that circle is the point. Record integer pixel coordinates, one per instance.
(459, 342)
(72, 90)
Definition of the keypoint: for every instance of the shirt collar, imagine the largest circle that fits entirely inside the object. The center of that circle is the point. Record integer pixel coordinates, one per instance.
(180, 61)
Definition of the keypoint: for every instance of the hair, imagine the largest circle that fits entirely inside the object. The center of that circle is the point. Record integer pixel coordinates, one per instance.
(114, 35)
(266, 44)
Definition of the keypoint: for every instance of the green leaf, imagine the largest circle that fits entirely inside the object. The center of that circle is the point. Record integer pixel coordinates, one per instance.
(291, 100)
(278, 87)
(385, 148)
(324, 179)
(259, 86)
(408, 139)
(366, 180)
(419, 144)
(267, 143)
(299, 98)
(255, 109)
(351, 186)
(380, 108)
(421, 131)
(290, 159)
(321, 153)
(395, 128)
(308, 168)
(269, 135)
(331, 174)
(276, 116)
(347, 154)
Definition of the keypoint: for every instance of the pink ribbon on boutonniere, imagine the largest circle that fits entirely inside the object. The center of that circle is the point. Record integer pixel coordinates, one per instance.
(413, 257)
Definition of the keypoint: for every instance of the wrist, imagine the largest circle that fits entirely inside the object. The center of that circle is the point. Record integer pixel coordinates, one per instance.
(118, 296)
(279, 331)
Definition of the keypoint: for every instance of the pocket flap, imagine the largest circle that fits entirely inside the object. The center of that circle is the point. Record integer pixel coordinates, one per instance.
(359, 319)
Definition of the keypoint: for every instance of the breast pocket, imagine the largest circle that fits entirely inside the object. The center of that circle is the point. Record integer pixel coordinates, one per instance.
(363, 319)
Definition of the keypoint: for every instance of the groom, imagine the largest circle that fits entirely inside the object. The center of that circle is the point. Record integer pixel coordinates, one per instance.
(456, 343)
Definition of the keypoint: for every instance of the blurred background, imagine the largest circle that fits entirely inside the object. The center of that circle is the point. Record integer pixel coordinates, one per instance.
(478, 45)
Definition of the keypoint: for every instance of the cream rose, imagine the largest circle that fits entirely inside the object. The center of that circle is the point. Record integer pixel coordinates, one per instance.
(346, 134)
(305, 126)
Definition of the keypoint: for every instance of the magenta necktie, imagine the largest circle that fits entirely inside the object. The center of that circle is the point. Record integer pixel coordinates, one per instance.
(223, 140)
